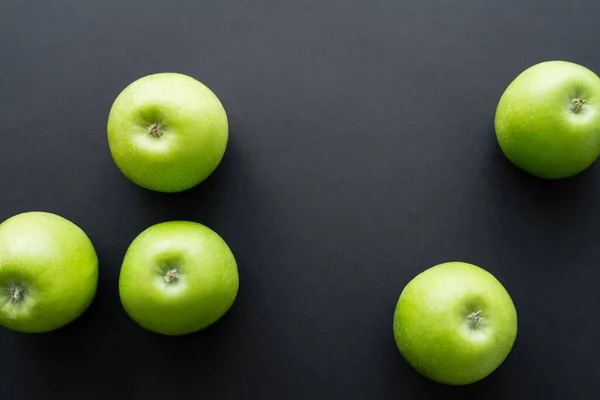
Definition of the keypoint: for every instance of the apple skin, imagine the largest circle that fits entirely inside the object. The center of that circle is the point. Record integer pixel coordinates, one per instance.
(540, 126)
(435, 318)
(178, 277)
(53, 264)
(167, 132)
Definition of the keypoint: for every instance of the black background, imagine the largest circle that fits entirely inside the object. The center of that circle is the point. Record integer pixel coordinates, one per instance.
(361, 152)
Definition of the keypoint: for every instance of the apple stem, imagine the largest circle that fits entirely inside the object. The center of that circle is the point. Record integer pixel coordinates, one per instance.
(475, 319)
(578, 104)
(15, 294)
(154, 130)
(171, 275)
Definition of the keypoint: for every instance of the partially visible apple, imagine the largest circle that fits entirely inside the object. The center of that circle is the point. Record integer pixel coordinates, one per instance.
(48, 272)
(548, 119)
(178, 277)
(455, 323)
(167, 132)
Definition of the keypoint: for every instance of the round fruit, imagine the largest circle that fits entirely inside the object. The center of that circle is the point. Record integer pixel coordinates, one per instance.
(548, 120)
(48, 272)
(455, 323)
(167, 132)
(178, 277)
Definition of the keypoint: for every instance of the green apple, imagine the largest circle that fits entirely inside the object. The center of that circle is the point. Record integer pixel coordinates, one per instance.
(178, 277)
(167, 132)
(455, 323)
(548, 119)
(48, 272)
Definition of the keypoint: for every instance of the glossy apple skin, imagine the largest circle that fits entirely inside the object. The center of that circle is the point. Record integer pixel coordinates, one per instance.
(435, 330)
(540, 128)
(190, 136)
(53, 264)
(204, 285)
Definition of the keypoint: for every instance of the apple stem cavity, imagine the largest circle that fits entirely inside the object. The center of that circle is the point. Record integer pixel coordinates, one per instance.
(171, 275)
(475, 319)
(577, 105)
(154, 130)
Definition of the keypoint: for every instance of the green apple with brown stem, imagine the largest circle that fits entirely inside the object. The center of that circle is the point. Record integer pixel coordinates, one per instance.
(167, 132)
(178, 277)
(548, 119)
(48, 272)
(455, 323)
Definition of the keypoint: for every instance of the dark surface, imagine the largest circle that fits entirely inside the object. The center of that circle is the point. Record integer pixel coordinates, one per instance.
(362, 152)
